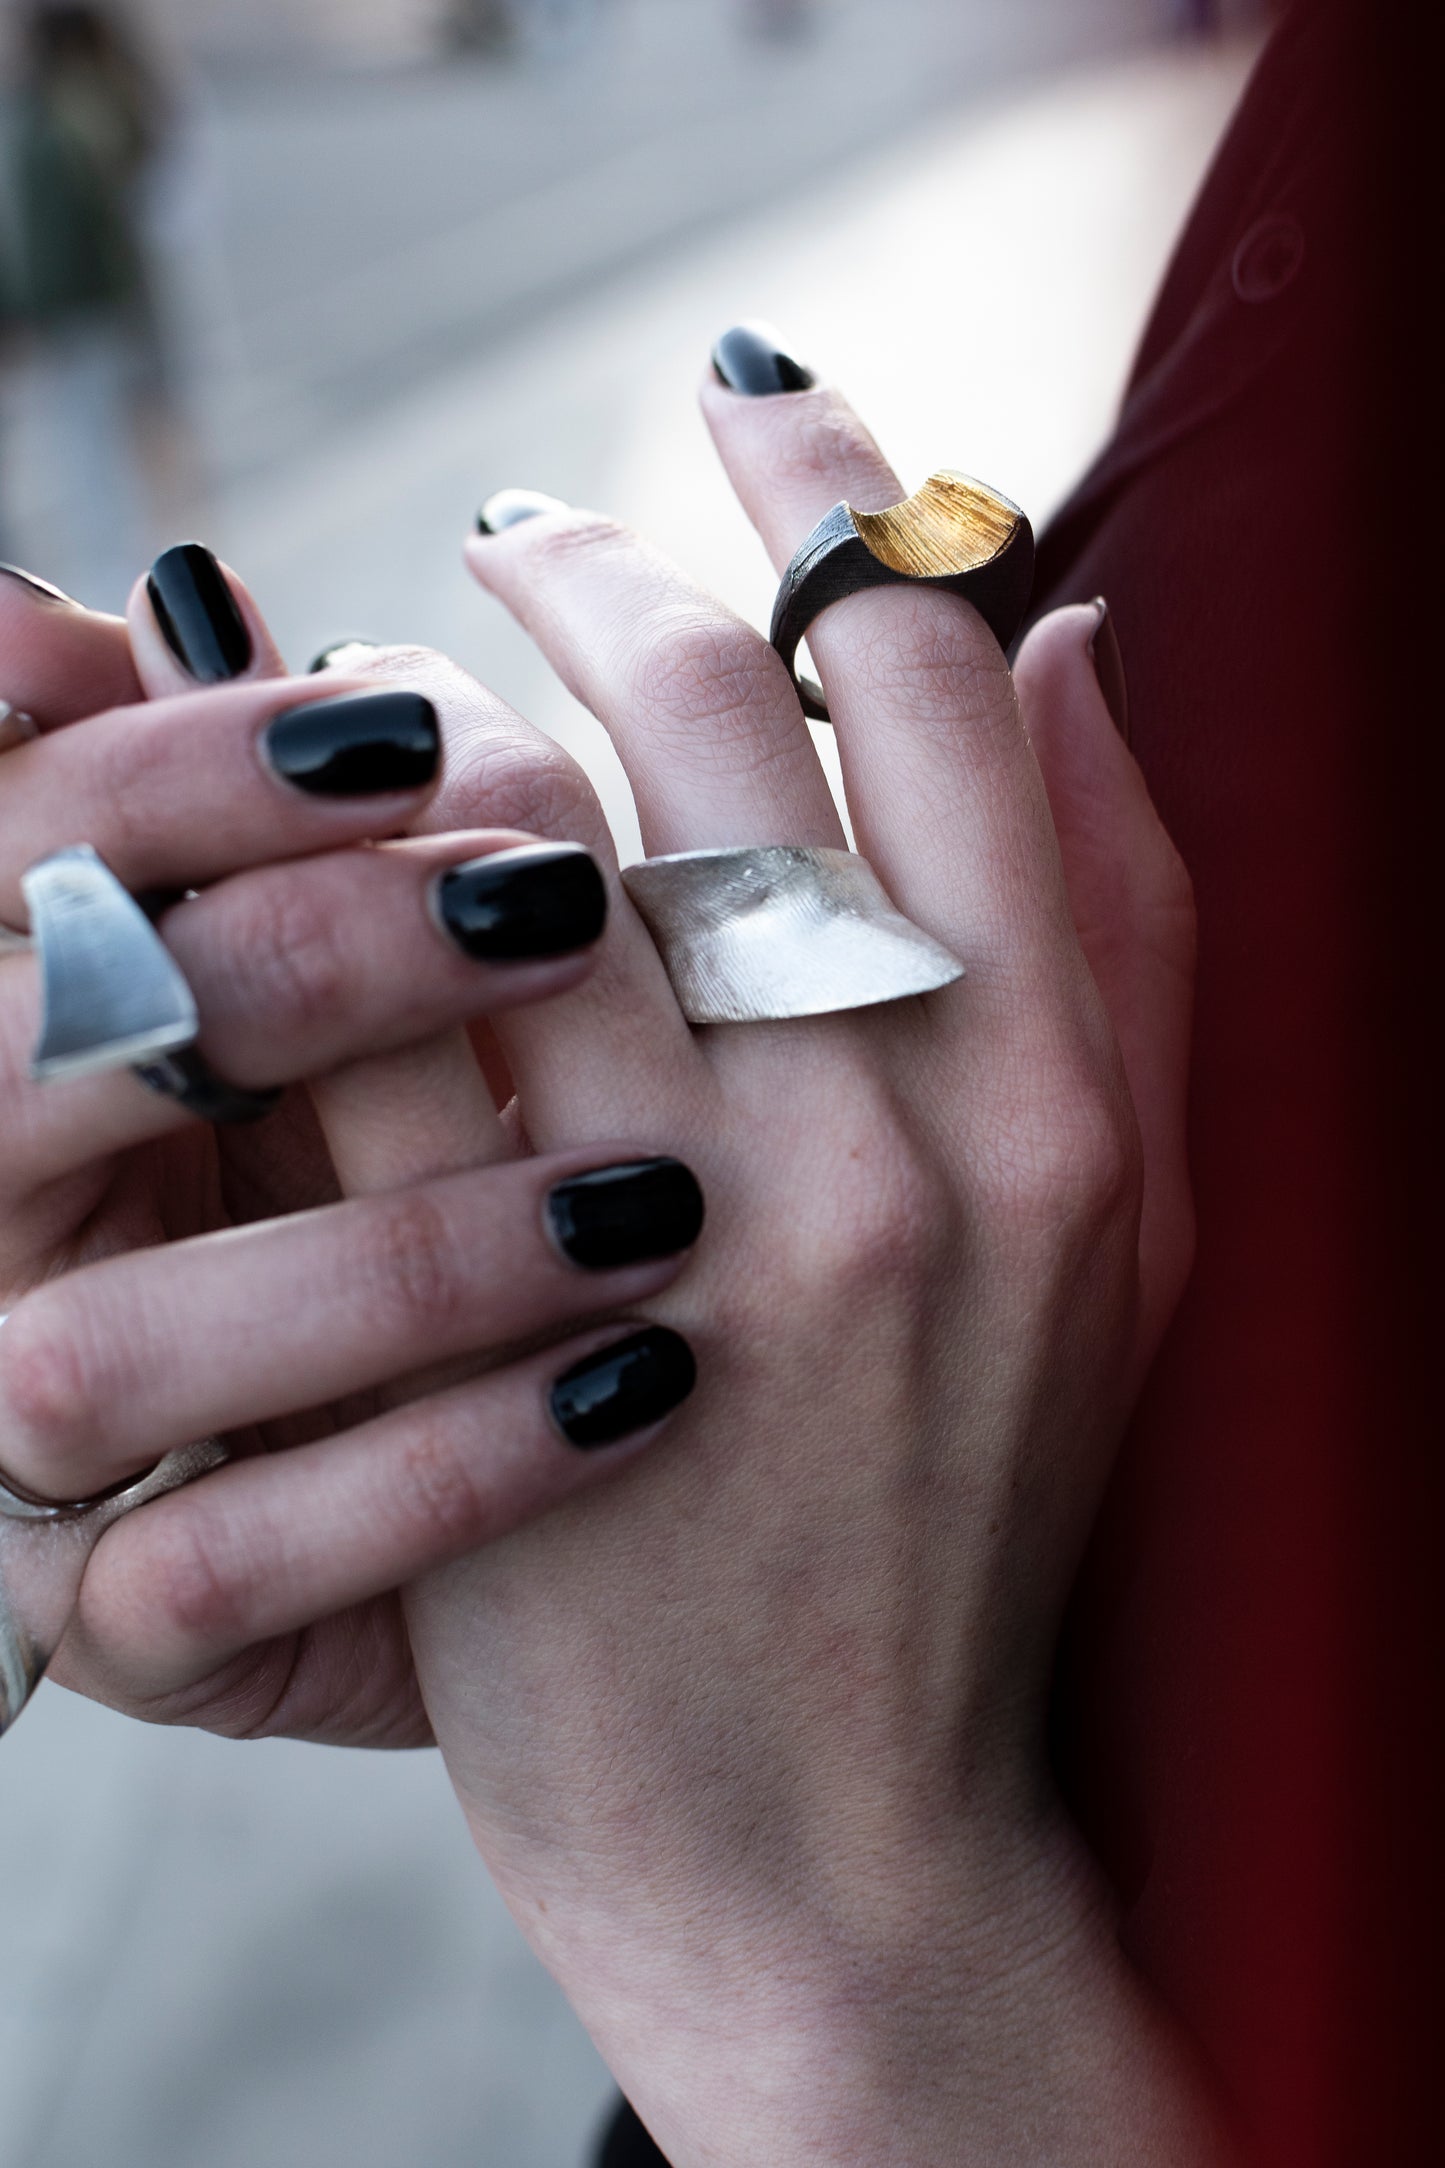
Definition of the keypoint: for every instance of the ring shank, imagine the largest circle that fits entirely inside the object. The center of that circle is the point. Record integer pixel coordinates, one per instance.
(835, 562)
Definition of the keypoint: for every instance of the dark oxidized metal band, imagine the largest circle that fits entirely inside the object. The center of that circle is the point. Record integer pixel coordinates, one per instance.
(932, 539)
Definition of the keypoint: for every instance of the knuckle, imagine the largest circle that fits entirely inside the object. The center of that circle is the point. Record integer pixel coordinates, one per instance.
(717, 692)
(197, 1580)
(528, 783)
(448, 1501)
(132, 767)
(708, 669)
(918, 657)
(887, 1223)
(406, 1262)
(290, 946)
(1072, 1170)
(559, 545)
(50, 1381)
(825, 444)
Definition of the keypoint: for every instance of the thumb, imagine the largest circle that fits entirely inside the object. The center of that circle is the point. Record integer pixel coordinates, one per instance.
(1133, 910)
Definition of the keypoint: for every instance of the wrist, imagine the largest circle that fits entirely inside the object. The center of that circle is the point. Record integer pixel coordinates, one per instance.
(969, 2002)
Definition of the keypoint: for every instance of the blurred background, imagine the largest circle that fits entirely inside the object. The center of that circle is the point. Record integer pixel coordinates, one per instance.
(309, 279)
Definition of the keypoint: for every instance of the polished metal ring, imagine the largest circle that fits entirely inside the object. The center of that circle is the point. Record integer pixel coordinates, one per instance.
(774, 931)
(954, 533)
(16, 727)
(113, 996)
(43, 1553)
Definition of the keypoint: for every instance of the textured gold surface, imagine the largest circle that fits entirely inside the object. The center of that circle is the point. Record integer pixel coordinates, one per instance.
(953, 524)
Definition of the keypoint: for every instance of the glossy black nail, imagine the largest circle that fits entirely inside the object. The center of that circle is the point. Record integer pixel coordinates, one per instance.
(331, 656)
(509, 507)
(542, 899)
(626, 1214)
(1108, 663)
(623, 1388)
(751, 359)
(197, 614)
(356, 745)
(37, 586)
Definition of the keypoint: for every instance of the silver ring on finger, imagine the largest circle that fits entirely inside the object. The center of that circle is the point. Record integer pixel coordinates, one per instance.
(954, 533)
(778, 930)
(16, 727)
(113, 996)
(43, 1552)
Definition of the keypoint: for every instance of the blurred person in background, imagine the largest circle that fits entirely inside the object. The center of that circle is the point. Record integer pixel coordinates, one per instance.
(480, 26)
(87, 125)
(780, 20)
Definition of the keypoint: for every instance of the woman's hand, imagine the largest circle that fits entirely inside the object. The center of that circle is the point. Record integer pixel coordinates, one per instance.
(154, 1295)
(754, 1743)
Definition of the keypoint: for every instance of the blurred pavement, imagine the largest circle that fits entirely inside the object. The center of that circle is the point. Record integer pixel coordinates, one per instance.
(273, 1956)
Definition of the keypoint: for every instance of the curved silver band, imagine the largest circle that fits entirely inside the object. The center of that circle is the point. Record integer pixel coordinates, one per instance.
(778, 930)
(43, 1552)
(113, 996)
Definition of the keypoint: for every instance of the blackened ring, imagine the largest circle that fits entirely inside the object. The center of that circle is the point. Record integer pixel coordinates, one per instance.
(954, 533)
(189, 1079)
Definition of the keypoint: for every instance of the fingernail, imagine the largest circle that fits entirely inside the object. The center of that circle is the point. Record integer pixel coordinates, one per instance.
(509, 507)
(356, 745)
(197, 614)
(623, 1388)
(627, 1214)
(331, 657)
(541, 899)
(1109, 667)
(38, 586)
(752, 359)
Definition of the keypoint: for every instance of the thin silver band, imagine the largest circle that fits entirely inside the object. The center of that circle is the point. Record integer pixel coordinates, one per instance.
(43, 1553)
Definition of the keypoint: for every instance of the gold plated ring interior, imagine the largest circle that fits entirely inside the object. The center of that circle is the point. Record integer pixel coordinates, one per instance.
(950, 526)
(776, 931)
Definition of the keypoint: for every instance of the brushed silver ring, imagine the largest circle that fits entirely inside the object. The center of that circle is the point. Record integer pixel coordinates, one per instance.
(113, 996)
(774, 931)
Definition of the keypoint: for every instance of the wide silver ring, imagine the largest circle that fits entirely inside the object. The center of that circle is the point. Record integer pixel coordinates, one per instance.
(778, 930)
(112, 994)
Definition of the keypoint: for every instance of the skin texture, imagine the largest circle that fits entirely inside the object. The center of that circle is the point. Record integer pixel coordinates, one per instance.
(752, 1740)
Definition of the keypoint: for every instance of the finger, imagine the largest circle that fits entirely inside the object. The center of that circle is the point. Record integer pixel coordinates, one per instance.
(500, 770)
(698, 705)
(299, 968)
(180, 792)
(193, 622)
(102, 1370)
(270, 1546)
(61, 662)
(410, 1115)
(1133, 909)
(945, 798)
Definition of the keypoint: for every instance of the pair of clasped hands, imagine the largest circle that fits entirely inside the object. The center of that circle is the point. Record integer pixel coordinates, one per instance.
(722, 1558)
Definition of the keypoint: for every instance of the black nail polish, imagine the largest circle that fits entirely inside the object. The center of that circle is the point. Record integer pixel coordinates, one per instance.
(197, 614)
(509, 507)
(623, 1388)
(542, 899)
(356, 745)
(751, 359)
(626, 1215)
(331, 656)
(38, 586)
(1109, 667)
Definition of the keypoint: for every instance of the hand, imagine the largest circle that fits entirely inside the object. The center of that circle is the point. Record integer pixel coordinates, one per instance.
(154, 1295)
(754, 1743)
